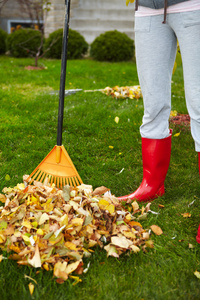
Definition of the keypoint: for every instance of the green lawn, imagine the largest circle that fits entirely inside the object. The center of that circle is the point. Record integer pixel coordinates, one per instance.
(28, 128)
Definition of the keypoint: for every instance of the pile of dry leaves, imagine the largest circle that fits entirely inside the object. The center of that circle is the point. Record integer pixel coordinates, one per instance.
(132, 92)
(54, 229)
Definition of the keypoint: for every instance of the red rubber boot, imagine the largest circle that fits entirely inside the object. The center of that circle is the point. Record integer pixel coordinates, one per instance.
(156, 158)
(198, 235)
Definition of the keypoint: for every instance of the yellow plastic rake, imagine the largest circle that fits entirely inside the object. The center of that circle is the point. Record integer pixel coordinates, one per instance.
(57, 166)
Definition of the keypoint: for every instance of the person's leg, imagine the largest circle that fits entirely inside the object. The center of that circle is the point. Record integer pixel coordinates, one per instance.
(155, 55)
(189, 40)
(155, 46)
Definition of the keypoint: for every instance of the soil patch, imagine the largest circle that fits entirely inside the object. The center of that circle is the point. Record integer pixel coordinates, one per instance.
(33, 68)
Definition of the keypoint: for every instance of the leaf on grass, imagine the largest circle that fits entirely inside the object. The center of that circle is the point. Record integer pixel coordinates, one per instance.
(117, 120)
(161, 206)
(76, 279)
(7, 177)
(135, 248)
(149, 244)
(177, 134)
(186, 215)
(197, 274)
(60, 270)
(31, 288)
(111, 250)
(156, 229)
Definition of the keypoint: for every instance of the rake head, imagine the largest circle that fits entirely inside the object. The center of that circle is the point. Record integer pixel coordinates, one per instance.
(56, 168)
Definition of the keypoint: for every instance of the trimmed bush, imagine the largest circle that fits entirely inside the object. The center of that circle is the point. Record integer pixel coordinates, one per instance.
(3, 37)
(77, 46)
(24, 42)
(112, 46)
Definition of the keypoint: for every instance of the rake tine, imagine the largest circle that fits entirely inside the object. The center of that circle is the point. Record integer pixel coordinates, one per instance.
(74, 182)
(42, 177)
(36, 174)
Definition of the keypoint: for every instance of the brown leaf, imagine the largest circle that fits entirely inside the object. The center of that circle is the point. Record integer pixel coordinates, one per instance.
(156, 229)
(2, 198)
(100, 191)
(161, 206)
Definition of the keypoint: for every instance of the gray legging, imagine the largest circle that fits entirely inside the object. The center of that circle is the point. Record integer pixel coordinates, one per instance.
(156, 44)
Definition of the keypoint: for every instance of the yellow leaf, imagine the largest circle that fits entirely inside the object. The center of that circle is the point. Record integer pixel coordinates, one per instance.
(103, 203)
(135, 249)
(40, 231)
(129, 235)
(27, 224)
(77, 222)
(117, 120)
(135, 205)
(70, 246)
(128, 217)
(48, 207)
(156, 229)
(111, 208)
(44, 217)
(72, 267)
(7, 177)
(31, 288)
(21, 186)
(26, 238)
(76, 279)
(15, 248)
(177, 134)
(46, 266)
(197, 274)
(186, 215)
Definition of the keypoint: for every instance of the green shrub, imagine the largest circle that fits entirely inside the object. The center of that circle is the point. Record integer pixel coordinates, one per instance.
(3, 37)
(112, 46)
(24, 42)
(77, 46)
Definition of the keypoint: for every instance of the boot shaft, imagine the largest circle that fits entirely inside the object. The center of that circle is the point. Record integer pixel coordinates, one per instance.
(156, 157)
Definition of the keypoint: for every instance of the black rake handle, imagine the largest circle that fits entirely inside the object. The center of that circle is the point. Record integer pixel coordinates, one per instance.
(63, 73)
